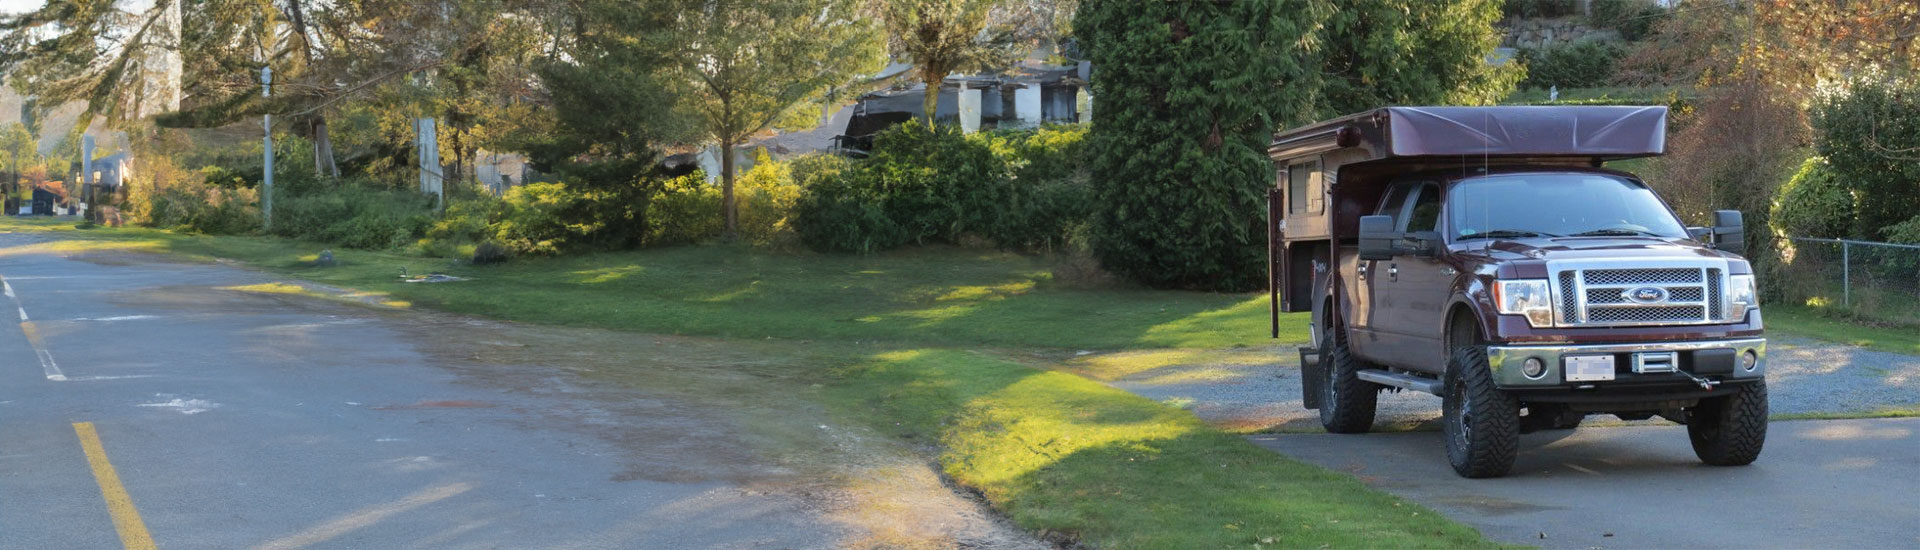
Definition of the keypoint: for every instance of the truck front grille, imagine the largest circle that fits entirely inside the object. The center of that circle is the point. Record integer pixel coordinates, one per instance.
(1606, 297)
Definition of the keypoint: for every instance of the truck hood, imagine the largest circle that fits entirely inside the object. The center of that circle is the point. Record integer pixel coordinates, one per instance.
(1573, 248)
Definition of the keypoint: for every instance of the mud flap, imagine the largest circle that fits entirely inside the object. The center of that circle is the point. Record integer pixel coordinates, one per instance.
(1312, 378)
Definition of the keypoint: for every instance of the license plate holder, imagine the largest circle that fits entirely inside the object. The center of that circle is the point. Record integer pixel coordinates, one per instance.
(1589, 368)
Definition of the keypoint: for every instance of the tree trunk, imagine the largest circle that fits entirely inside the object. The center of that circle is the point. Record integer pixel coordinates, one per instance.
(727, 209)
(323, 150)
(931, 102)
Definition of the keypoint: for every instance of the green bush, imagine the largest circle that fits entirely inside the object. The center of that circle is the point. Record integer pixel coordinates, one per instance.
(546, 218)
(203, 209)
(353, 215)
(921, 185)
(843, 209)
(767, 195)
(1864, 133)
(687, 210)
(1814, 203)
(1579, 64)
(1633, 19)
(1539, 8)
(1019, 189)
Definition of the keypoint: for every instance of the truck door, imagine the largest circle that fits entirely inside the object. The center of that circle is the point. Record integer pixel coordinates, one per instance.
(1369, 318)
(1418, 288)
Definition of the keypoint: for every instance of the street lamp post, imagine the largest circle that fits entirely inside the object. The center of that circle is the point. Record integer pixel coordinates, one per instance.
(266, 122)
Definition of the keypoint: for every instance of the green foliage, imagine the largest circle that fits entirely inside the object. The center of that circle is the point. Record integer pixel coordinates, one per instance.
(768, 193)
(942, 37)
(1190, 94)
(202, 209)
(352, 215)
(1868, 135)
(1579, 64)
(1635, 20)
(1814, 203)
(1019, 189)
(1907, 232)
(1410, 52)
(687, 210)
(1539, 8)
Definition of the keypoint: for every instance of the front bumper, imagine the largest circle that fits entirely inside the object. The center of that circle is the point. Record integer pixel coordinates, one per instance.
(1717, 360)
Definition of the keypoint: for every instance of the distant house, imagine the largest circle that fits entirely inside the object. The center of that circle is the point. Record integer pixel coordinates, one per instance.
(1022, 97)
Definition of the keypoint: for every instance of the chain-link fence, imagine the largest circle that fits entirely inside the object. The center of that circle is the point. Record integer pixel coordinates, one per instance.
(1874, 280)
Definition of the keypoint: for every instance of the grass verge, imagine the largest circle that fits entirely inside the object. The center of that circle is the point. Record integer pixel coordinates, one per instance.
(1079, 461)
(1808, 322)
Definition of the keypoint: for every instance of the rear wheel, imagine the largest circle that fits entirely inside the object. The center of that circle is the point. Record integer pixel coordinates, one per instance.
(1730, 430)
(1346, 402)
(1481, 423)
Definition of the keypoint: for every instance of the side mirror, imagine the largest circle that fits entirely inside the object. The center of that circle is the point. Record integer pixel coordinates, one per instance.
(1377, 237)
(1425, 244)
(1729, 232)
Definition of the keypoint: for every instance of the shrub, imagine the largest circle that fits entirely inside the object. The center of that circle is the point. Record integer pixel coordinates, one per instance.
(1814, 204)
(1539, 8)
(1865, 133)
(1579, 64)
(843, 210)
(545, 218)
(489, 252)
(1633, 19)
(353, 215)
(687, 210)
(767, 195)
(921, 185)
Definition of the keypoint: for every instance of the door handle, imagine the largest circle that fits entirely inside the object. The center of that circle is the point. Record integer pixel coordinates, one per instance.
(1393, 272)
(1362, 270)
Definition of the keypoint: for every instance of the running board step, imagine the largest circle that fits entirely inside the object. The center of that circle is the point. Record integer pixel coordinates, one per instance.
(1402, 381)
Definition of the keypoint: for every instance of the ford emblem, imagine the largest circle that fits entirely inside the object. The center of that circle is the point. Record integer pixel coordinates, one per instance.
(1646, 295)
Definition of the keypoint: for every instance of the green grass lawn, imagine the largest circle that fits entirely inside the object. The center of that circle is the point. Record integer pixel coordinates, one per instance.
(1805, 321)
(890, 338)
(934, 296)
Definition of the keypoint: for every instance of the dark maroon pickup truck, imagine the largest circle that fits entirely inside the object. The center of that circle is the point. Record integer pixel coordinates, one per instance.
(1483, 255)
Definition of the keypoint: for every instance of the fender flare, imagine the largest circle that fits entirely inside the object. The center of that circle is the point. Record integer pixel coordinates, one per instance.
(1475, 308)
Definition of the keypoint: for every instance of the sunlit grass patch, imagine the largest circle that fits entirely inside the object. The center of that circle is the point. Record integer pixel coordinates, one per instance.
(1082, 462)
(1184, 363)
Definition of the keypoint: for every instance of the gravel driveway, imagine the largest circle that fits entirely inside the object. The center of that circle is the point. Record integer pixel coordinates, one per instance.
(1259, 389)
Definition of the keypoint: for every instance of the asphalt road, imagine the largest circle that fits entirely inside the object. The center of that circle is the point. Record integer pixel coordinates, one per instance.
(1819, 484)
(152, 403)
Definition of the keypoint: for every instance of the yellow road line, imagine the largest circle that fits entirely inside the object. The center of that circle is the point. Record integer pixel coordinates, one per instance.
(126, 519)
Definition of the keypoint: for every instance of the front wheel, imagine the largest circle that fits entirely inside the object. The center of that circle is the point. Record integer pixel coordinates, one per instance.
(1347, 403)
(1729, 430)
(1481, 422)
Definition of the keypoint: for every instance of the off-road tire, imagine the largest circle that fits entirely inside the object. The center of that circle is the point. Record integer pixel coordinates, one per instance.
(1730, 430)
(1346, 402)
(1481, 422)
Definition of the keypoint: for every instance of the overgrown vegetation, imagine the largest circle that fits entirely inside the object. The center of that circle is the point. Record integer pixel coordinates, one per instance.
(1017, 189)
(1191, 93)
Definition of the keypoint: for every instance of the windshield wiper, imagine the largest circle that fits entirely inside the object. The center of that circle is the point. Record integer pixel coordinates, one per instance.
(1613, 231)
(1505, 234)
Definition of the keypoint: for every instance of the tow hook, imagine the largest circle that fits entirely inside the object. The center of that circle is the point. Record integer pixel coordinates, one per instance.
(1705, 384)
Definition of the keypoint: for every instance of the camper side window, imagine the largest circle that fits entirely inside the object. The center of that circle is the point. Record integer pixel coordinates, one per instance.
(1302, 196)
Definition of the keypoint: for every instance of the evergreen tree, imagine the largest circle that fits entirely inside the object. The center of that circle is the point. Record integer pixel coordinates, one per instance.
(1188, 96)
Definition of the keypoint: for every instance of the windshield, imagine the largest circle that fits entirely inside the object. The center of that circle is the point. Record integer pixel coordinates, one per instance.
(1557, 205)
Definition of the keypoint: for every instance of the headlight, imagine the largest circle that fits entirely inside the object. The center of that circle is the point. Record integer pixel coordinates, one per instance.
(1529, 297)
(1741, 297)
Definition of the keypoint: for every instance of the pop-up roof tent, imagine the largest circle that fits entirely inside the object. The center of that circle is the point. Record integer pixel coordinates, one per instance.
(1331, 173)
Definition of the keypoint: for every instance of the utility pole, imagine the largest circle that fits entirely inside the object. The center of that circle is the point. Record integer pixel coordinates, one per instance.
(266, 122)
(86, 177)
